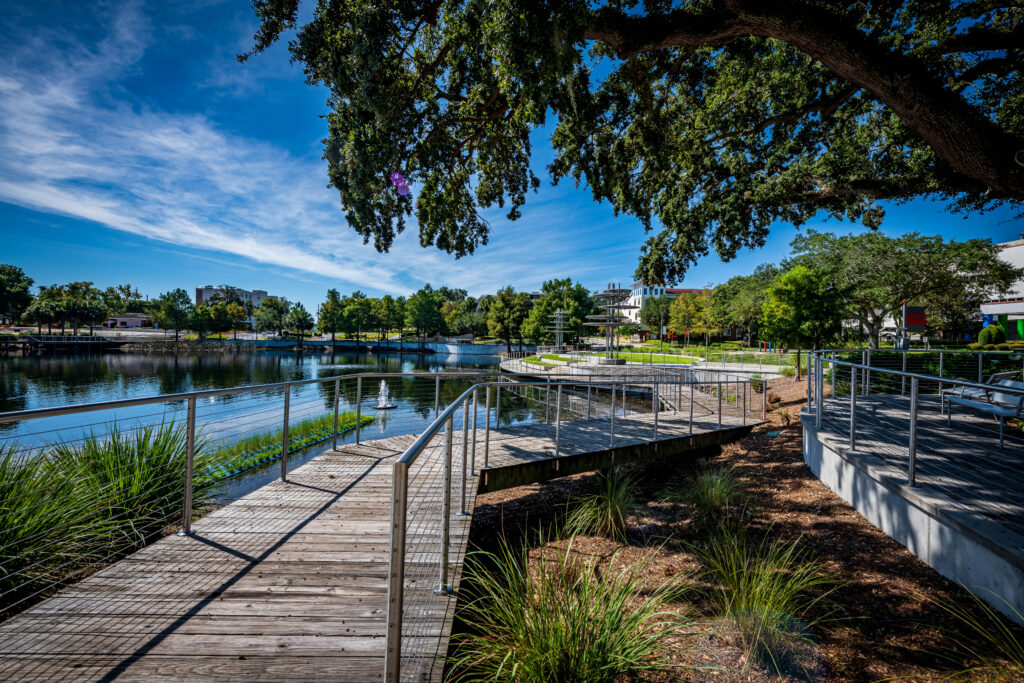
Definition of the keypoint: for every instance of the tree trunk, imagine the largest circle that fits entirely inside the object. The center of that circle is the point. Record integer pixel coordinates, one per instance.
(508, 344)
(797, 378)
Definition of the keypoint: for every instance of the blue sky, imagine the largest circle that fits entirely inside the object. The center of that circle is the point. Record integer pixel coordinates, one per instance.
(135, 148)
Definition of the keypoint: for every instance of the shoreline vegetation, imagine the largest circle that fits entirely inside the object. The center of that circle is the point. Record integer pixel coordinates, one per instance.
(76, 507)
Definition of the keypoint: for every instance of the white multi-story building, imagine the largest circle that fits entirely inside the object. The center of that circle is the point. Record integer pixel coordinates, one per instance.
(641, 291)
(1008, 310)
(211, 293)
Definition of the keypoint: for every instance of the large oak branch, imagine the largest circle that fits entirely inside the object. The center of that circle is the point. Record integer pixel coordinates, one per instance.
(971, 143)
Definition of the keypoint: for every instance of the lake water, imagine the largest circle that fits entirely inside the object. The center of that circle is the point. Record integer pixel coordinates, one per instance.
(48, 381)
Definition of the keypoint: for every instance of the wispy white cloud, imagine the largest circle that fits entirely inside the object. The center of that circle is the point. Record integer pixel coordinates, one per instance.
(73, 143)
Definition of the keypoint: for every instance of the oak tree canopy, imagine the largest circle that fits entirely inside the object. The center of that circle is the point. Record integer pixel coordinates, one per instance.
(706, 119)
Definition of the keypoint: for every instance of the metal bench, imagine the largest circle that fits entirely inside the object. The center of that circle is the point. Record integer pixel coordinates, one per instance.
(999, 404)
(977, 394)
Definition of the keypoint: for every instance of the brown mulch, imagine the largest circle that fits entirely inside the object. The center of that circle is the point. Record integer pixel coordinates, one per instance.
(880, 626)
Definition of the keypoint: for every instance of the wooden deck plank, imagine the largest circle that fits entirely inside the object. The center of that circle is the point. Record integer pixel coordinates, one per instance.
(290, 581)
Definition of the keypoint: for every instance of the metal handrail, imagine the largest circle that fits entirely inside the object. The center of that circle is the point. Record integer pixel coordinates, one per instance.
(34, 413)
(818, 355)
(818, 359)
(400, 469)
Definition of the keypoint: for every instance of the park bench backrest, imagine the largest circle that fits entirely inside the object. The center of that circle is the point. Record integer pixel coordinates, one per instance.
(1012, 400)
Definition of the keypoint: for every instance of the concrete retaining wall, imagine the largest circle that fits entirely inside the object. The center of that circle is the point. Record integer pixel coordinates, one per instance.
(960, 544)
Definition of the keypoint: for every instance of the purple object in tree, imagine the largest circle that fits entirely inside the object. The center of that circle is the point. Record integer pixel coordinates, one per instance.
(400, 184)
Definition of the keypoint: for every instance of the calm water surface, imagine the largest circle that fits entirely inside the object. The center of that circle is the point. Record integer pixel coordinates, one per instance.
(47, 381)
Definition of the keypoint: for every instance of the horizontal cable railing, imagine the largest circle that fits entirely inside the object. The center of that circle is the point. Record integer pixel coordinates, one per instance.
(988, 383)
(430, 479)
(83, 485)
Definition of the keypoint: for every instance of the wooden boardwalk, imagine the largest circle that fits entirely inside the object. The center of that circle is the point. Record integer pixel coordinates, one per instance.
(962, 462)
(290, 581)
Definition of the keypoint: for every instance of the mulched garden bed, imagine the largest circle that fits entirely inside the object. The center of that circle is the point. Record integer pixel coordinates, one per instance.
(881, 624)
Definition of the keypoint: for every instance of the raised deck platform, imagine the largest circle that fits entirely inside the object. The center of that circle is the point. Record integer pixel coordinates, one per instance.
(290, 581)
(964, 516)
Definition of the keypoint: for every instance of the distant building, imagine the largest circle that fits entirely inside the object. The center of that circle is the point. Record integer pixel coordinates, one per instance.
(1008, 310)
(641, 291)
(204, 295)
(129, 320)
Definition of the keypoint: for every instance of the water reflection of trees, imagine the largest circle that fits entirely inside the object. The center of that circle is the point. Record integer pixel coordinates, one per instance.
(41, 381)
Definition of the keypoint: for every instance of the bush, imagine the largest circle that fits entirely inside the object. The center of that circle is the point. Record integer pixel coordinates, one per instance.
(767, 591)
(992, 334)
(1004, 347)
(558, 619)
(974, 346)
(989, 347)
(604, 513)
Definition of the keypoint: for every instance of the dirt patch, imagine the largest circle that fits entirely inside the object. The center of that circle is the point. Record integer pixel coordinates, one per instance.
(880, 624)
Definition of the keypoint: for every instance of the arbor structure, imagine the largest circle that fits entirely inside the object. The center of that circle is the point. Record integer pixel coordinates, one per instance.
(710, 118)
(15, 291)
(873, 274)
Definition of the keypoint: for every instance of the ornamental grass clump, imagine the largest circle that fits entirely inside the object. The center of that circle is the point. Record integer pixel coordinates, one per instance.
(41, 519)
(87, 502)
(134, 478)
(712, 491)
(770, 592)
(604, 513)
(986, 636)
(558, 618)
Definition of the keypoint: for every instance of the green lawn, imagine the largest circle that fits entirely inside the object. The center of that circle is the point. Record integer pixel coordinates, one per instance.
(533, 360)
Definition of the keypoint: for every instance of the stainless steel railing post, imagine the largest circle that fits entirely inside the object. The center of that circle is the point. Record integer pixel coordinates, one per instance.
(284, 435)
(547, 403)
(359, 407)
(810, 406)
(590, 383)
(396, 571)
(446, 505)
(912, 448)
(476, 411)
(190, 450)
(980, 356)
(819, 390)
(465, 456)
(487, 424)
(437, 394)
(745, 402)
(558, 421)
(611, 427)
(853, 408)
(692, 379)
(867, 377)
(719, 402)
(903, 379)
(654, 395)
(337, 398)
